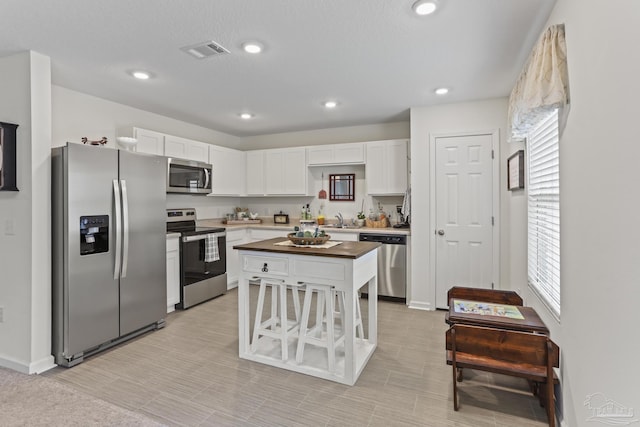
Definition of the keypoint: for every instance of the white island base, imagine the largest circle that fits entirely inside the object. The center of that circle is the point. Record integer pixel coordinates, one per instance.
(347, 274)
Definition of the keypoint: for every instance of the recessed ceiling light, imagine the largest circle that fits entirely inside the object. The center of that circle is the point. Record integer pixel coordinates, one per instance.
(330, 104)
(424, 7)
(442, 91)
(252, 47)
(246, 116)
(142, 75)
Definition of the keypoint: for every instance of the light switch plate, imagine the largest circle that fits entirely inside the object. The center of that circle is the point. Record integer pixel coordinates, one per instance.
(9, 229)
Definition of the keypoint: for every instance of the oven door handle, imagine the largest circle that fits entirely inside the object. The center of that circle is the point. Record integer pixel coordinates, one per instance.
(188, 239)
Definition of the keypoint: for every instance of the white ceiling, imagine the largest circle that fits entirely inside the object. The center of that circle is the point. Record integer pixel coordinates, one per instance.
(375, 57)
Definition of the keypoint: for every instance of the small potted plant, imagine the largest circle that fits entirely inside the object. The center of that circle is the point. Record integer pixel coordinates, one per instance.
(361, 218)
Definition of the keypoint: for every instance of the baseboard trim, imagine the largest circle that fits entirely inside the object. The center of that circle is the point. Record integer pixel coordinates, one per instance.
(42, 365)
(420, 305)
(37, 367)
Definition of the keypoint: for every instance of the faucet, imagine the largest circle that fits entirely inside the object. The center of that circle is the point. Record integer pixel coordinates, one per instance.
(340, 220)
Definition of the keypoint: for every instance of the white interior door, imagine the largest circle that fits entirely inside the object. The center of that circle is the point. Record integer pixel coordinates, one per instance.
(464, 252)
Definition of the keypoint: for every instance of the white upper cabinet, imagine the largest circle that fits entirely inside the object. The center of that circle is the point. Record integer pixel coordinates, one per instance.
(280, 171)
(183, 148)
(254, 161)
(149, 142)
(228, 171)
(386, 168)
(336, 154)
(286, 171)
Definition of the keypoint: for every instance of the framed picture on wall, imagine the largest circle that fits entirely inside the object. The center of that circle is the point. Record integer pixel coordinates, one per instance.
(8, 157)
(515, 171)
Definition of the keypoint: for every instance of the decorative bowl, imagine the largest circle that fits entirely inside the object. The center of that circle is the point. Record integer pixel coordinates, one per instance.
(308, 240)
(127, 142)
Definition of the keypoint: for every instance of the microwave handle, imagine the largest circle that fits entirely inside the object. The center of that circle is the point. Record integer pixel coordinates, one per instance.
(206, 179)
(201, 237)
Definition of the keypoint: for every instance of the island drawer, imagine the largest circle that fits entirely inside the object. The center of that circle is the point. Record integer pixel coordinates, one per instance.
(265, 265)
(319, 271)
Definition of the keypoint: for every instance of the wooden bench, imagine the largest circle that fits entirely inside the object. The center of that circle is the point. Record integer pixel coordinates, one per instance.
(520, 354)
(485, 295)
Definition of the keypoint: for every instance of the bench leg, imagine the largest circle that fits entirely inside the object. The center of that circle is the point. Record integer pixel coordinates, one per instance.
(459, 376)
(455, 389)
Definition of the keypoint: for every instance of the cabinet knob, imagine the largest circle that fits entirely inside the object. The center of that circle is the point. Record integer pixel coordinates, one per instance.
(265, 268)
(440, 232)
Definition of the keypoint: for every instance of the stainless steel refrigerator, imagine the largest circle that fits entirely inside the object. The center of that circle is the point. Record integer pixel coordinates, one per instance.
(108, 248)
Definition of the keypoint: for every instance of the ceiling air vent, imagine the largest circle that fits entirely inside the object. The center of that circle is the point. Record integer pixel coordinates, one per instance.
(204, 50)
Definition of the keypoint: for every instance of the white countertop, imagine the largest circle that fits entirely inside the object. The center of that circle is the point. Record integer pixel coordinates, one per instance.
(267, 224)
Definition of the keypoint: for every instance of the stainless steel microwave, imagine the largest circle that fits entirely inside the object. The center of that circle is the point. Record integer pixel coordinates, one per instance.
(188, 176)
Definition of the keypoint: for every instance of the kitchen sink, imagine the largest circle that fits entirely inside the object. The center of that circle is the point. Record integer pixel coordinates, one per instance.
(338, 226)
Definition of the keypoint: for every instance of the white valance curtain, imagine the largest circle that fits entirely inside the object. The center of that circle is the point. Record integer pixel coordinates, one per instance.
(543, 85)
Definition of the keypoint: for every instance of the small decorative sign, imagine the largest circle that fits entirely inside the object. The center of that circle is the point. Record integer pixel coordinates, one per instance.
(515, 171)
(8, 157)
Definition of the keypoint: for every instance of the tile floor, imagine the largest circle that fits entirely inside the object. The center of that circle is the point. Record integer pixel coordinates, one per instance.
(189, 374)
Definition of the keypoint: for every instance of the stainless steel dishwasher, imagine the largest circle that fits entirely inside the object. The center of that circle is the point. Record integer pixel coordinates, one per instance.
(392, 265)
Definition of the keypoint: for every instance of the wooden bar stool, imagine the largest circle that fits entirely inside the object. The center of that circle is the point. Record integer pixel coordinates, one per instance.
(325, 310)
(278, 325)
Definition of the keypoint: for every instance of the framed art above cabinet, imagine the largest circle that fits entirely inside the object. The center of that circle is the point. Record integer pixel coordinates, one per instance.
(8, 157)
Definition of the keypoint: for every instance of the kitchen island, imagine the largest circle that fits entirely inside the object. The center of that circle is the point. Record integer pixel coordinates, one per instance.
(348, 267)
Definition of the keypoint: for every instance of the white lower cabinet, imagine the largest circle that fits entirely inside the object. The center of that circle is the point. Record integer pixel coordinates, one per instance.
(234, 237)
(259, 234)
(173, 272)
(343, 237)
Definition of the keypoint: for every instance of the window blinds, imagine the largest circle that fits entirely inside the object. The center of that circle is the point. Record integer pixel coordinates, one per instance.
(544, 211)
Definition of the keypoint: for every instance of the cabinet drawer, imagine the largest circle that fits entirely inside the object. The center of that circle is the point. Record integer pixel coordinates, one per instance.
(258, 264)
(318, 271)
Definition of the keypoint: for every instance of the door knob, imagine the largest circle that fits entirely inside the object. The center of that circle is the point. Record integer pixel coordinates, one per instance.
(440, 232)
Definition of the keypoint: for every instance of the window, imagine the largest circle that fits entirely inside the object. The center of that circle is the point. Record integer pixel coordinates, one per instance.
(543, 235)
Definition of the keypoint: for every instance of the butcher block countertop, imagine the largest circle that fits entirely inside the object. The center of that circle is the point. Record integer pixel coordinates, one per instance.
(350, 250)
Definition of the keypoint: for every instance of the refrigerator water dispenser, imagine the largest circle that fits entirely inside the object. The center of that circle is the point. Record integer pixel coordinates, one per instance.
(94, 234)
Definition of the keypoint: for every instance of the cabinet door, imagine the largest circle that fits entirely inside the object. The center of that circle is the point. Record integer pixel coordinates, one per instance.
(257, 234)
(228, 171)
(173, 273)
(349, 153)
(175, 147)
(255, 172)
(386, 167)
(198, 151)
(286, 171)
(397, 164)
(295, 171)
(234, 237)
(320, 155)
(274, 176)
(149, 142)
(376, 169)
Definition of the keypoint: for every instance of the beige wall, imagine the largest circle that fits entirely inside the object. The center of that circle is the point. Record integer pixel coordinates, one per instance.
(25, 255)
(76, 114)
(599, 202)
(376, 132)
(480, 116)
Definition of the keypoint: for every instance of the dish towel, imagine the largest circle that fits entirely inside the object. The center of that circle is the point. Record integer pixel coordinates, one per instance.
(211, 251)
(406, 205)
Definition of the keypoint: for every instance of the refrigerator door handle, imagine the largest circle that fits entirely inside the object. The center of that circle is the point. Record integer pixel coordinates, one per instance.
(118, 232)
(125, 228)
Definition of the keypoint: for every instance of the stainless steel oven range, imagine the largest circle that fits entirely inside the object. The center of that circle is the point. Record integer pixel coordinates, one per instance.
(203, 258)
